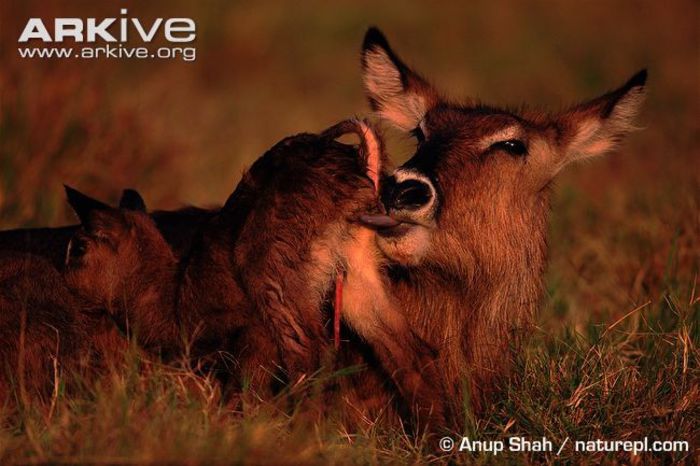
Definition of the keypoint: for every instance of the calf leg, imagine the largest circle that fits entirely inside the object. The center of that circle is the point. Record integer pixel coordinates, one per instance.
(259, 360)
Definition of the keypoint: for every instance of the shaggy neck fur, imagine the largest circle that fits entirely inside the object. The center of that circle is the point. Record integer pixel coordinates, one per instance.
(478, 314)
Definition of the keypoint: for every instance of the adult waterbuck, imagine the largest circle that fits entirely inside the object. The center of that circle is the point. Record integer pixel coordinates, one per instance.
(466, 220)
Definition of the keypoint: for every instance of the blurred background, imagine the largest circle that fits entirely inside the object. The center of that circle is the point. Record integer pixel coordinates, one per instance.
(624, 228)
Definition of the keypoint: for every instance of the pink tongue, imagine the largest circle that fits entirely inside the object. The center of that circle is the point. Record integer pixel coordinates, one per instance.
(379, 221)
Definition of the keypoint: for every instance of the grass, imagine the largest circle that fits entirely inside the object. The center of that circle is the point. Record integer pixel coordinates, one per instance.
(616, 354)
(633, 378)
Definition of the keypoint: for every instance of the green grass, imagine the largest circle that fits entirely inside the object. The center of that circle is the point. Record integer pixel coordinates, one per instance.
(616, 351)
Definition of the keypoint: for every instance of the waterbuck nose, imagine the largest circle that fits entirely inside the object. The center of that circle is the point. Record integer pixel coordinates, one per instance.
(410, 194)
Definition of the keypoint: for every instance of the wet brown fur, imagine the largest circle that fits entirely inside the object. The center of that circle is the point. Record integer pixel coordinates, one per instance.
(47, 334)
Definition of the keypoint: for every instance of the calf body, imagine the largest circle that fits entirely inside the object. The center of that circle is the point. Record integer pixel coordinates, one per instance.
(308, 194)
(46, 332)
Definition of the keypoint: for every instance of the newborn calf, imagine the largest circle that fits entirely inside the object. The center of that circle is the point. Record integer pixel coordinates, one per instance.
(119, 261)
(40, 327)
(304, 200)
(46, 332)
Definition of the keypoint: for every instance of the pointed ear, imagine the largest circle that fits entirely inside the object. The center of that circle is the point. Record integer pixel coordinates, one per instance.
(596, 127)
(83, 205)
(394, 91)
(132, 200)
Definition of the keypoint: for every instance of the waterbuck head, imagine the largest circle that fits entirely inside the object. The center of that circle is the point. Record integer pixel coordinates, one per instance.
(476, 189)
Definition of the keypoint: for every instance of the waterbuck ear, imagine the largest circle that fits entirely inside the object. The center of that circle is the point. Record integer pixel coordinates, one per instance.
(82, 204)
(395, 91)
(596, 127)
(132, 200)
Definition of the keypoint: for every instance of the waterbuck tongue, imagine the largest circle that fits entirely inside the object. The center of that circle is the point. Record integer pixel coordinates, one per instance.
(379, 221)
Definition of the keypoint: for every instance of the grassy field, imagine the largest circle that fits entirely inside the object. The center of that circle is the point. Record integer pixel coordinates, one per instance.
(616, 354)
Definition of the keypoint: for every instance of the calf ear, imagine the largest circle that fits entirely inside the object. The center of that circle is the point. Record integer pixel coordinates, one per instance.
(596, 127)
(132, 200)
(395, 92)
(83, 205)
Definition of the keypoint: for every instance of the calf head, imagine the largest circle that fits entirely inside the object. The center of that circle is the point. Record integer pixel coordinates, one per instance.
(475, 193)
(118, 260)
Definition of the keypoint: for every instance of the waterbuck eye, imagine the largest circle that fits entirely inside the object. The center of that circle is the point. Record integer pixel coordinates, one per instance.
(77, 248)
(512, 146)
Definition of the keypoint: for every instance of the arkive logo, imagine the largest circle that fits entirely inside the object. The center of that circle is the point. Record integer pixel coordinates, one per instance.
(88, 30)
(118, 31)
